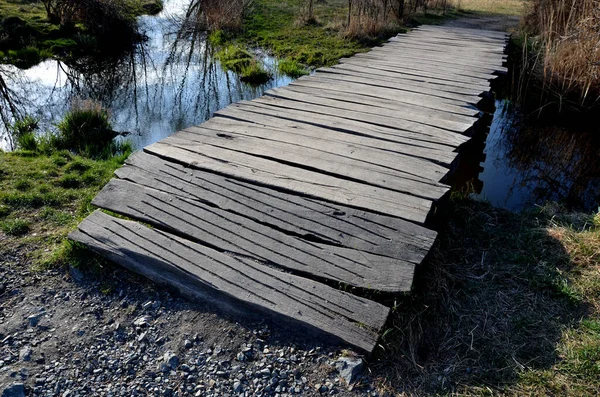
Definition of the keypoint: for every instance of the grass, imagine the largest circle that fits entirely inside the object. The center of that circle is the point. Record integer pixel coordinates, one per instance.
(43, 197)
(276, 26)
(507, 304)
(566, 57)
(491, 7)
(291, 68)
(236, 59)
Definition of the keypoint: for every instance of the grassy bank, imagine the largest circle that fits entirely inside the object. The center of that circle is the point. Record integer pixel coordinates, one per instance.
(507, 304)
(43, 197)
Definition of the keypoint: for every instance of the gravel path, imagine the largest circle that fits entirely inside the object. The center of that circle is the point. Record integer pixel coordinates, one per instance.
(72, 334)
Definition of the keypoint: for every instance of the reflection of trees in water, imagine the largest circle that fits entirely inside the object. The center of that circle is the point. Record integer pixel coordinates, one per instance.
(156, 87)
(559, 163)
(12, 103)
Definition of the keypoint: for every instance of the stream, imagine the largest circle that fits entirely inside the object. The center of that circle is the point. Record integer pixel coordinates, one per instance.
(170, 82)
(166, 84)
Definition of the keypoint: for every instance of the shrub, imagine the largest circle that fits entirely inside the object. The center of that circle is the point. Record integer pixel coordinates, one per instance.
(240, 61)
(23, 133)
(86, 129)
(212, 15)
(291, 68)
(234, 58)
(255, 74)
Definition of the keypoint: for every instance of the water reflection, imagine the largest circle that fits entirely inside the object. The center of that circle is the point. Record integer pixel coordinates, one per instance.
(167, 83)
(529, 163)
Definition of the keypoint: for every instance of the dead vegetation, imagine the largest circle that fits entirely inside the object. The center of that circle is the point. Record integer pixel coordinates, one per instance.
(566, 35)
(508, 304)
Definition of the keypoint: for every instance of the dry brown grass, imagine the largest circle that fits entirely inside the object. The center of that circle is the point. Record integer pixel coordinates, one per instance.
(505, 305)
(567, 33)
(500, 7)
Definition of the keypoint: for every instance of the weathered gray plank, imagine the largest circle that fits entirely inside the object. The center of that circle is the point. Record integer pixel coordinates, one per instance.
(398, 122)
(401, 86)
(397, 75)
(465, 34)
(231, 145)
(394, 67)
(364, 76)
(426, 137)
(447, 45)
(419, 114)
(305, 182)
(312, 220)
(411, 168)
(438, 154)
(245, 238)
(428, 60)
(444, 66)
(407, 102)
(199, 271)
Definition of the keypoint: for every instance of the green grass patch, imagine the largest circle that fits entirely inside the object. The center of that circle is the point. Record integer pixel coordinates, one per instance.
(48, 195)
(291, 68)
(236, 59)
(15, 227)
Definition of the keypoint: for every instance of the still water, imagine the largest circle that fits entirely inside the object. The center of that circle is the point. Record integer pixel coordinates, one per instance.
(171, 82)
(528, 162)
(167, 83)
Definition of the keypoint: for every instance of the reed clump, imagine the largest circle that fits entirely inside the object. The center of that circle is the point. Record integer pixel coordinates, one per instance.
(567, 35)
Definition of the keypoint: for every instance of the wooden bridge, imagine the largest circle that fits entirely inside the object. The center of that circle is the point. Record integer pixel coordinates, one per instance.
(276, 203)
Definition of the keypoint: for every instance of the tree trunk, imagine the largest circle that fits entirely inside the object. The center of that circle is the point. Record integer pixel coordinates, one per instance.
(349, 12)
(401, 5)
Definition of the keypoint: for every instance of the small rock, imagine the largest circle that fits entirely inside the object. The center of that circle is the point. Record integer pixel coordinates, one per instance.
(34, 319)
(237, 387)
(76, 274)
(188, 344)
(349, 368)
(142, 321)
(14, 390)
(171, 360)
(25, 353)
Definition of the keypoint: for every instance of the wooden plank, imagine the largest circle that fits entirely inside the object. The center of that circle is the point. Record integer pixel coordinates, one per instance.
(438, 154)
(411, 168)
(408, 55)
(398, 76)
(234, 145)
(312, 220)
(199, 271)
(445, 41)
(308, 183)
(385, 97)
(241, 237)
(465, 34)
(421, 114)
(468, 60)
(427, 137)
(378, 81)
(482, 52)
(444, 66)
(398, 122)
(360, 75)
(395, 67)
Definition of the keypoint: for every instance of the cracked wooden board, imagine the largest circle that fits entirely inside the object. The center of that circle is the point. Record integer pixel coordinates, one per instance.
(202, 272)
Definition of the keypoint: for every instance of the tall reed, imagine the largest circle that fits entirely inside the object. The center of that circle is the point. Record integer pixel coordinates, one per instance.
(567, 35)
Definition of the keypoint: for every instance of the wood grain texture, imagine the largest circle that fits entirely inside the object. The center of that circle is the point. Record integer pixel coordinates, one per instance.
(312, 220)
(199, 271)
